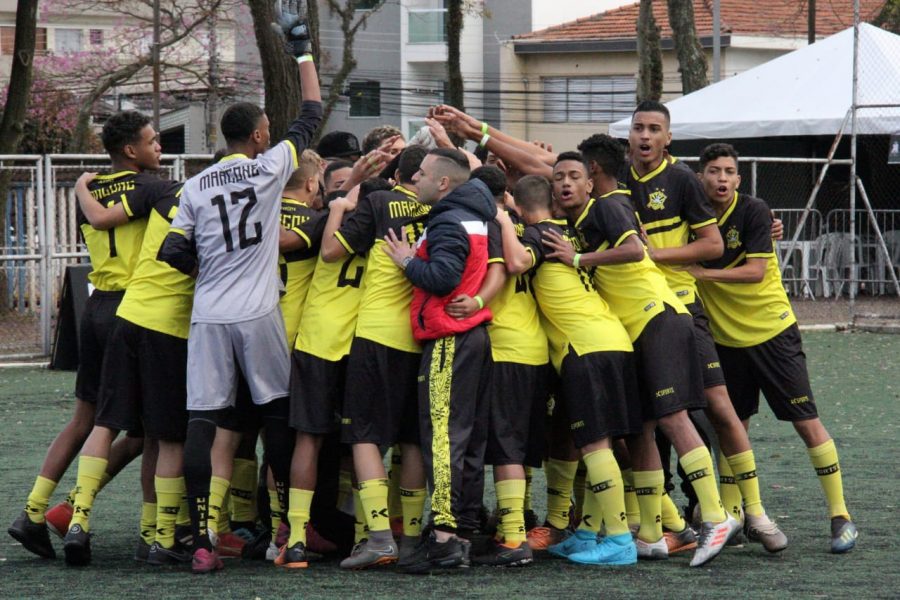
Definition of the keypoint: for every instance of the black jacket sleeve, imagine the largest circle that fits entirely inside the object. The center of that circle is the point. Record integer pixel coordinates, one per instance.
(179, 252)
(448, 249)
(305, 125)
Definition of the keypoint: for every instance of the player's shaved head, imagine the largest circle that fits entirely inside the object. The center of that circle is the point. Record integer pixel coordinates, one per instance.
(532, 193)
(451, 163)
(653, 106)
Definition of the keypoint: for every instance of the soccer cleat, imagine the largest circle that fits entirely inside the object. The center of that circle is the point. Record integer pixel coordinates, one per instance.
(712, 540)
(59, 517)
(579, 541)
(765, 531)
(658, 550)
(205, 561)
(33, 536)
(272, 552)
(257, 548)
(77, 547)
(293, 557)
(371, 554)
(184, 536)
(175, 555)
(531, 520)
(541, 538)
(282, 535)
(679, 541)
(318, 544)
(245, 533)
(429, 554)
(229, 545)
(407, 545)
(610, 550)
(142, 550)
(843, 535)
(502, 555)
(466, 546)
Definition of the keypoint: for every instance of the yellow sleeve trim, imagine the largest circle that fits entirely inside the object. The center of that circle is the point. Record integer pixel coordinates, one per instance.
(623, 237)
(704, 224)
(533, 258)
(290, 144)
(126, 207)
(495, 260)
(303, 236)
(177, 230)
(340, 238)
(172, 212)
(761, 255)
(736, 261)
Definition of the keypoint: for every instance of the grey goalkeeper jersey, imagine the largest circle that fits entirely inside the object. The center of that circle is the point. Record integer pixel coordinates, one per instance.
(231, 211)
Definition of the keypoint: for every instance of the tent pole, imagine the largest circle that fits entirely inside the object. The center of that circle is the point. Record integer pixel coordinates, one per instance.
(854, 279)
(882, 246)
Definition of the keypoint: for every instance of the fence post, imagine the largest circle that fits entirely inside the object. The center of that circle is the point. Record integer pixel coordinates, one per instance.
(753, 178)
(44, 240)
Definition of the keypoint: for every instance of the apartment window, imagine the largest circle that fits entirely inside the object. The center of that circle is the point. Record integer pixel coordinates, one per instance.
(96, 36)
(8, 40)
(67, 40)
(366, 4)
(365, 99)
(588, 99)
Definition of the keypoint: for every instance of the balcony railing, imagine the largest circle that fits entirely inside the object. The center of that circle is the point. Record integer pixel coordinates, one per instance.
(426, 26)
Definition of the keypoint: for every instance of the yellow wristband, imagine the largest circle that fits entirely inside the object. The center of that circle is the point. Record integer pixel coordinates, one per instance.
(576, 260)
(479, 301)
(484, 128)
(304, 58)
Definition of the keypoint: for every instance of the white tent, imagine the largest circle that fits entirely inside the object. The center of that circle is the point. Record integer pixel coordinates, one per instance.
(805, 92)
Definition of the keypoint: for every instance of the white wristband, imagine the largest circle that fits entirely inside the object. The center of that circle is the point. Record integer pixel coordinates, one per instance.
(484, 140)
(304, 58)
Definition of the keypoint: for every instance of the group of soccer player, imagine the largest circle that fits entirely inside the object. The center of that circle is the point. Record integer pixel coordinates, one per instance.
(581, 312)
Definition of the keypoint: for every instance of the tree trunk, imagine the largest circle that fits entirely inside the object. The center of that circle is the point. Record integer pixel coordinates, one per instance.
(691, 59)
(12, 126)
(80, 141)
(280, 74)
(454, 25)
(312, 15)
(650, 73)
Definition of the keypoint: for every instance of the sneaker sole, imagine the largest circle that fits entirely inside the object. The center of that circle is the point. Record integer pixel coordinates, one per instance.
(294, 565)
(382, 561)
(613, 563)
(23, 539)
(428, 567)
(684, 548)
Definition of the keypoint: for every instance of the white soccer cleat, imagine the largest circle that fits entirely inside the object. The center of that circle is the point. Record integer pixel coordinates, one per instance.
(712, 539)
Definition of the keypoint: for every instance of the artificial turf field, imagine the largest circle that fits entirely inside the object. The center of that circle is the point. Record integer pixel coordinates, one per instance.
(856, 380)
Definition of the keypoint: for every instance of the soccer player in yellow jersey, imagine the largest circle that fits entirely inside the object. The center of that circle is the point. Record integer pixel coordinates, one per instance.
(756, 331)
(380, 401)
(591, 351)
(113, 238)
(662, 333)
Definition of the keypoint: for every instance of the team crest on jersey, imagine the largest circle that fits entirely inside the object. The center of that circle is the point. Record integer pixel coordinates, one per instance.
(733, 239)
(657, 199)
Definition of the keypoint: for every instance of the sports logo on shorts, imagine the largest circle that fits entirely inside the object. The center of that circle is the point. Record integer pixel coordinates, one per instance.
(657, 199)
(733, 238)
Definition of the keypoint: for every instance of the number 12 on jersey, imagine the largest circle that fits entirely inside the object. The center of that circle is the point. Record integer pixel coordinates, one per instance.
(235, 197)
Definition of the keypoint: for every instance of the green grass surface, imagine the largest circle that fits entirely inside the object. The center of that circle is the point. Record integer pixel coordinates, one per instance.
(857, 387)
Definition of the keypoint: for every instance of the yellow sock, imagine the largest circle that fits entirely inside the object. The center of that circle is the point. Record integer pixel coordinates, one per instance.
(825, 460)
(243, 490)
(218, 488)
(39, 498)
(560, 478)
(345, 488)
(671, 518)
(90, 472)
(395, 501)
(276, 512)
(169, 491)
(697, 464)
(413, 502)
(579, 485)
(743, 465)
(731, 493)
(360, 527)
(106, 478)
(591, 511)
(183, 518)
(223, 523)
(298, 514)
(511, 499)
(148, 521)
(607, 490)
(528, 476)
(632, 508)
(70, 497)
(648, 485)
(373, 494)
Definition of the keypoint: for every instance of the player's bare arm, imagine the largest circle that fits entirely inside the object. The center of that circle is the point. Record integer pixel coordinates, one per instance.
(752, 271)
(463, 306)
(100, 217)
(708, 245)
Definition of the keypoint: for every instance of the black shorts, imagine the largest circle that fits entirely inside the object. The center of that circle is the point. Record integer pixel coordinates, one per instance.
(317, 393)
(96, 325)
(600, 396)
(381, 396)
(706, 347)
(244, 416)
(667, 367)
(518, 414)
(778, 369)
(144, 382)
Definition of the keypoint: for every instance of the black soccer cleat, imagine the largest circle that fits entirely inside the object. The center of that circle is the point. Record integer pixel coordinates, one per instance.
(430, 555)
(77, 547)
(502, 555)
(34, 537)
(176, 555)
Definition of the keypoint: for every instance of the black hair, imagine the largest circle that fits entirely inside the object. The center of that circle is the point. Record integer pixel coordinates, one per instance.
(373, 184)
(493, 178)
(409, 161)
(717, 150)
(123, 128)
(608, 153)
(239, 121)
(653, 106)
(334, 166)
(481, 153)
(532, 192)
(572, 155)
(453, 155)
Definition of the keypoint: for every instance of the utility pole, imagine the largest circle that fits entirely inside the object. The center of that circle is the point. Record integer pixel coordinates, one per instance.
(212, 99)
(156, 28)
(717, 40)
(811, 22)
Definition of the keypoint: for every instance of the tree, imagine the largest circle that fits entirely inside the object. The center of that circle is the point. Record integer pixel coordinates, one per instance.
(650, 72)
(454, 26)
(889, 16)
(691, 60)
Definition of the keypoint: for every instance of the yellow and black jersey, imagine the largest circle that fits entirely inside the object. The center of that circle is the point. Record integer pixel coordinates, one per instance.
(572, 313)
(158, 297)
(296, 267)
(114, 252)
(387, 294)
(636, 291)
(671, 203)
(516, 333)
(746, 314)
(328, 318)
